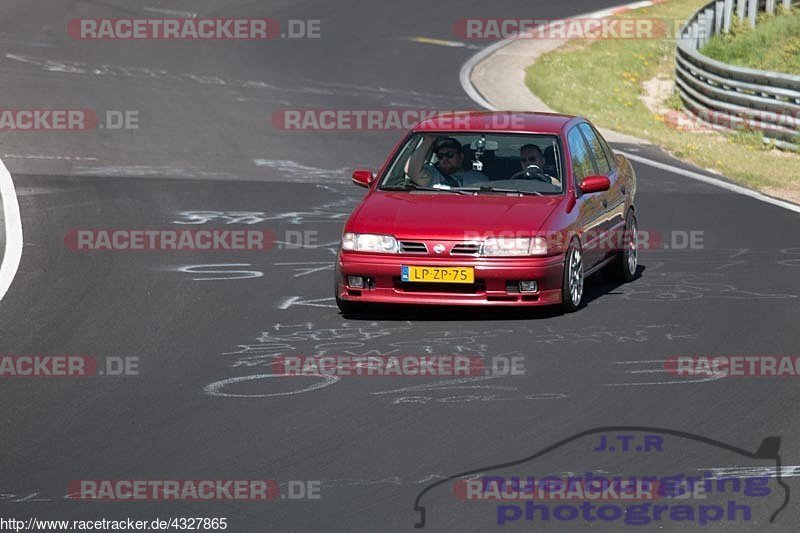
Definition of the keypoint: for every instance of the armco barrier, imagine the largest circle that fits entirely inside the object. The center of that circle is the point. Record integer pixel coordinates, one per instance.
(766, 101)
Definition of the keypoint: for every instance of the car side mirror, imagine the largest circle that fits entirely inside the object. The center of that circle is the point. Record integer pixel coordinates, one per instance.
(363, 178)
(592, 184)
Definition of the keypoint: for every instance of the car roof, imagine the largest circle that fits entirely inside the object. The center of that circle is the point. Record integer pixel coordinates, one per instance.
(496, 121)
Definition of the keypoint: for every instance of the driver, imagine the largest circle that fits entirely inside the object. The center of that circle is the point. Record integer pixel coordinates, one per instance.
(530, 154)
(450, 163)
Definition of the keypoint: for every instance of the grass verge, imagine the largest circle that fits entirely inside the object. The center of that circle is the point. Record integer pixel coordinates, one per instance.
(774, 44)
(604, 80)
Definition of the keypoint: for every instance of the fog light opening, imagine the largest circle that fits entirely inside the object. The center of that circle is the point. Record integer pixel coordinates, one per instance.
(528, 286)
(357, 282)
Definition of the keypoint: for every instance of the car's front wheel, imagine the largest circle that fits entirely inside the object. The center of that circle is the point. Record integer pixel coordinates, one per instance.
(572, 287)
(348, 307)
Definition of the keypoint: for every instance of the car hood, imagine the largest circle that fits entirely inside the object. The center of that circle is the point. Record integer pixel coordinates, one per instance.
(442, 215)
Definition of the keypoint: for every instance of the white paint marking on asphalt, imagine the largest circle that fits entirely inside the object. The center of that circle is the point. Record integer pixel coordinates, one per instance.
(713, 181)
(439, 42)
(637, 362)
(46, 64)
(297, 300)
(144, 171)
(50, 157)
(635, 5)
(229, 274)
(752, 471)
(676, 382)
(13, 249)
(216, 388)
(300, 172)
(458, 383)
(174, 12)
(74, 67)
(659, 370)
(306, 270)
(442, 42)
(475, 96)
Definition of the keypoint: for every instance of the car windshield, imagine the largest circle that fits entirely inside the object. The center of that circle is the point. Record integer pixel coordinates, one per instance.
(477, 163)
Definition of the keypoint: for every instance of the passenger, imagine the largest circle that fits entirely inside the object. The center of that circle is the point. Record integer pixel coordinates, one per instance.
(450, 163)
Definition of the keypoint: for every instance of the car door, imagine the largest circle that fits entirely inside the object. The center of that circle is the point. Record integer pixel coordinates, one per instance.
(612, 200)
(589, 206)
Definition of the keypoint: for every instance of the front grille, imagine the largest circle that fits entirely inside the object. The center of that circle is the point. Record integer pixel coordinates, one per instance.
(466, 248)
(453, 288)
(410, 247)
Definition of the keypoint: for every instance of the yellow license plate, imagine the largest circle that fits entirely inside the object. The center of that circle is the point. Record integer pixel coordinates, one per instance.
(438, 274)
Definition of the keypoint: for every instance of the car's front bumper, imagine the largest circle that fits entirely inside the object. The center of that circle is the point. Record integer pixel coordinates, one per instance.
(495, 280)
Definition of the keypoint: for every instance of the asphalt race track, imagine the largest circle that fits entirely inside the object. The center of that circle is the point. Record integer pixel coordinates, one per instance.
(204, 326)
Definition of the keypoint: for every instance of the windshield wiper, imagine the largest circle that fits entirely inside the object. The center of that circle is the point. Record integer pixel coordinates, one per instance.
(415, 187)
(484, 188)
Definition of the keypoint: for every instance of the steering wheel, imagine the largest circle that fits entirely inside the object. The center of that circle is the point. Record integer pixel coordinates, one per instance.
(531, 172)
(439, 177)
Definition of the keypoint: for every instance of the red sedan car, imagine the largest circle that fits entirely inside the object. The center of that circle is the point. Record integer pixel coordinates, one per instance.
(490, 209)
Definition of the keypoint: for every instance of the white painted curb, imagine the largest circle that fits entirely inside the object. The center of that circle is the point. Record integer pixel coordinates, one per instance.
(13, 251)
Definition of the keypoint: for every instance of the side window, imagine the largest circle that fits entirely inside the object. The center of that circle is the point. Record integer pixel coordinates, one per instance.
(397, 173)
(596, 148)
(607, 149)
(581, 162)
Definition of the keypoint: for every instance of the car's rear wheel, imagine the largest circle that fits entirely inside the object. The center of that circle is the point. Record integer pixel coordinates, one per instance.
(572, 287)
(623, 268)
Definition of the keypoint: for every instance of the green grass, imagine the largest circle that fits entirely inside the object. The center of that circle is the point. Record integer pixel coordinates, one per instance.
(602, 80)
(774, 44)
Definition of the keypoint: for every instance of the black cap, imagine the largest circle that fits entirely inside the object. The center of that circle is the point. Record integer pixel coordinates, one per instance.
(448, 142)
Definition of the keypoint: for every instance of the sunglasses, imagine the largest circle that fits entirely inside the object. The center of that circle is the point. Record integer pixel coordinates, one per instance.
(529, 159)
(445, 155)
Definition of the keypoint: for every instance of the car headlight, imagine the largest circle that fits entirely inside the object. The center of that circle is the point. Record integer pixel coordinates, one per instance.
(514, 246)
(366, 242)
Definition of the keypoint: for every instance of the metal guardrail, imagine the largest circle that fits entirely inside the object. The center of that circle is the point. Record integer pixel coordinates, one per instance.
(732, 97)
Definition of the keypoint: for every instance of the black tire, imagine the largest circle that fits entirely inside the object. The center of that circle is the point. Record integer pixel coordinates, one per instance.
(623, 267)
(350, 308)
(573, 280)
